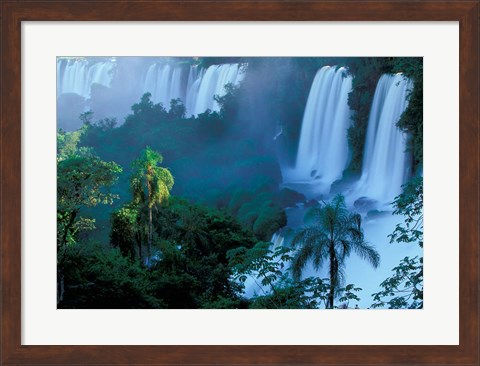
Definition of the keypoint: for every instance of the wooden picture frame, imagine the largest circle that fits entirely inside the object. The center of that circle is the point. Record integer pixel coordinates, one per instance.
(13, 12)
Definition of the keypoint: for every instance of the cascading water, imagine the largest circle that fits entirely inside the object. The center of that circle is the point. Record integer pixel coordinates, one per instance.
(78, 75)
(165, 82)
(197, 90)
(211, 83)
(323, 150)
(385, 161)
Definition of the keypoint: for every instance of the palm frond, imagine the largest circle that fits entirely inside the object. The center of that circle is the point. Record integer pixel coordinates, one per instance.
(367, 252)
(301, 258)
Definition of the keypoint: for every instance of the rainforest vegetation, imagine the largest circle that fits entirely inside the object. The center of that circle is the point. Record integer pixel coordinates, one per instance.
(167, 207)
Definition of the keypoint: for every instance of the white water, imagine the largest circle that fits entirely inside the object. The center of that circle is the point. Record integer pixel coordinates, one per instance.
(196, 89)
(78, 75)
(164, 80)
(323, 149)
(386, 164)
(164, 83)
(211, 83)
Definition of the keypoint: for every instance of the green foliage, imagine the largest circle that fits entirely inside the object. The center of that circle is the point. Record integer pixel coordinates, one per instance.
(271, 217)
(229, 102)
(177, 109)
(146, 112)
(269, 269)
(262, 215)
(262, 210)
(409, 204)
(332, 234)
(150, 183)
(67, 144)
(83, 180)
(260, 261)
(225, 162)
(411, 120)
(98, 278)
(127, 230)
(193, 271)
(239, 198)
(404, 289)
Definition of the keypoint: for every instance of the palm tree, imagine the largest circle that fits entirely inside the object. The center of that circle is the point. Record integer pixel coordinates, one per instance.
(332, 234)
(151, 185)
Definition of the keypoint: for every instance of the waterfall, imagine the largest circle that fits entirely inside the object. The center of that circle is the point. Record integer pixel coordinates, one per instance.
(211, 83)
(78, 75)
(323, 149)
(277, 240)
(385, 160)
(165, 79)
(197, 89)
(165, 82)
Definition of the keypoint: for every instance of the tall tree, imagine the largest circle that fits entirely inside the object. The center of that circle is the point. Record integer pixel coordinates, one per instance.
(83, 180)
(151, 185)
(332, 233)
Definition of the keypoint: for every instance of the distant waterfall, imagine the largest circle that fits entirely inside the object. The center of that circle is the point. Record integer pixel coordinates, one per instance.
(385, 160)
(165, 79)
(212, 83)
(78, 75)
(197, 89)
(165, 82)
(323, 149)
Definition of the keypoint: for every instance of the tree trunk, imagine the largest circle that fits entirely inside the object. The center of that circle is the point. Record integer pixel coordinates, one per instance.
(150, 235)
(333, 277)
(139, 244)
(149, 239)
(61, 261)
(60, 287)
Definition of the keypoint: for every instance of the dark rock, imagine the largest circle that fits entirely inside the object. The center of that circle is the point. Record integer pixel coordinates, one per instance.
(376, 213)
(311, 203)
(365, 204)
(289, 198)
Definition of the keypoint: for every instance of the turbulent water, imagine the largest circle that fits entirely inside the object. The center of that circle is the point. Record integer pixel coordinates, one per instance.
(323, 149)
(386, 164)
(78, 75)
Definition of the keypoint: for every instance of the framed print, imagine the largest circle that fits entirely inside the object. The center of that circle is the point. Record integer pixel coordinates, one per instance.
(233, 182)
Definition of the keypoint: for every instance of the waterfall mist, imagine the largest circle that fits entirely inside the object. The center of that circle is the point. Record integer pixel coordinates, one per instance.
(99, 85)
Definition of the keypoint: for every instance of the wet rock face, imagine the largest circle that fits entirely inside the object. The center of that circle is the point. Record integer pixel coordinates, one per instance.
(289, 198)
(365, 204)
(311, 203)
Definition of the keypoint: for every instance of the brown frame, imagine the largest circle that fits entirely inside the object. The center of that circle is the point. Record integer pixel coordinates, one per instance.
(13, 12)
